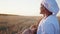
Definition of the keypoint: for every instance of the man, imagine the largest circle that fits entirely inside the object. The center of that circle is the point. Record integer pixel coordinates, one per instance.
(49, 24)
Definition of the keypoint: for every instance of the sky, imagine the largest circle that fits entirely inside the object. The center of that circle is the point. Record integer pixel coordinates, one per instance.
(21, 7)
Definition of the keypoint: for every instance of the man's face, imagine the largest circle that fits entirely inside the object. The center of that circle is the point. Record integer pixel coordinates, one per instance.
(42, 9)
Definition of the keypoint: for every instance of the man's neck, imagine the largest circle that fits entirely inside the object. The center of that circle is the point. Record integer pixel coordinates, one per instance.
(46, 15)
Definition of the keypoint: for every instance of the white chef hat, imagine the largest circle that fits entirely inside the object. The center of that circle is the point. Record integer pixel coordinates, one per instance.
(51, 5)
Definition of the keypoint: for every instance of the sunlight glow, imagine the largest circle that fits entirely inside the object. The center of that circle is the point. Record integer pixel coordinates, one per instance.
(20, 7)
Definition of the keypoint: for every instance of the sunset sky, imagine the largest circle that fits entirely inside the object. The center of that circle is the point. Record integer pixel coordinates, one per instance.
(21, 7)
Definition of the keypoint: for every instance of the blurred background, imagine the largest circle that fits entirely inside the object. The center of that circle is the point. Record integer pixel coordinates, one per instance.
(18, 15)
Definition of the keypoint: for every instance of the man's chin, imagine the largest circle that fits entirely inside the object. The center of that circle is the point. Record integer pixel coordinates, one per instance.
(41, 15)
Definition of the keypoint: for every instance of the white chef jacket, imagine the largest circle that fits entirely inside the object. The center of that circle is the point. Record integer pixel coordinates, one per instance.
(50, 25)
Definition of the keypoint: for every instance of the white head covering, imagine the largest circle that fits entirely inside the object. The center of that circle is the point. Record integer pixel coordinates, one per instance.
(51, 5)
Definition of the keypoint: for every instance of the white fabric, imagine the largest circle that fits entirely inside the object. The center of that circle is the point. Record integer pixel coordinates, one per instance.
(50, 25)
(51, 5)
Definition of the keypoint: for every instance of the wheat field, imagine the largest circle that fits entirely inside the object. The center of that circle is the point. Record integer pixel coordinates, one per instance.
(11, 24)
